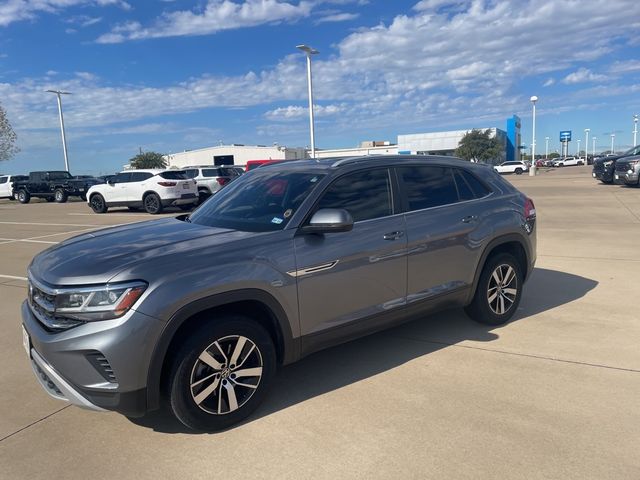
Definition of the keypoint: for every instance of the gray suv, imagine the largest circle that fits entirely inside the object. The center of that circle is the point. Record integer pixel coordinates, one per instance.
(198, 311)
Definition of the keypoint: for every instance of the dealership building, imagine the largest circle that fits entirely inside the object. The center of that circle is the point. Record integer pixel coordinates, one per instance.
(431, 143)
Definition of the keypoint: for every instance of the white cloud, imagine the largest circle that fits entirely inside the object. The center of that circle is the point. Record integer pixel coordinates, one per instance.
(19, 10)
(625, 66)
(218, 15)
(583, 75)
(550, 81)
(338, 17)
(295, 111)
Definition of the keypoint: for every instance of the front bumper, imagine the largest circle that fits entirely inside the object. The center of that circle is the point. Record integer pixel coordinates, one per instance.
(98, 365)
(603, 175)
(626, 178)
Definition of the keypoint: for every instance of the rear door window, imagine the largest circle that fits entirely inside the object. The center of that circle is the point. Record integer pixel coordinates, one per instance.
(140, 176)
(191, 172)
(427, 186)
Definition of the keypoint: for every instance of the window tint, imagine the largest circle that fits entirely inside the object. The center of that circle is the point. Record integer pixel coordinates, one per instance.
(228, 172)
(173, 175)
(140, 176)
(365, 195)
(427, 187)
(479, 189)
(464, 190)
(191, 172)
(4, 179)
(122, 178)
(210, 172)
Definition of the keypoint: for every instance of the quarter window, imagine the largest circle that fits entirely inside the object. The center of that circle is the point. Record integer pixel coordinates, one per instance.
(427, 187)
(365, 195)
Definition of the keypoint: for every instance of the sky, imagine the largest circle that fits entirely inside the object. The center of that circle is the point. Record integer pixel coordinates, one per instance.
(173, 75)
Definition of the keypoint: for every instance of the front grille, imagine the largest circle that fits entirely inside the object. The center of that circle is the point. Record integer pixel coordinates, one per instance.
(598, 167)
(102, 365)
(622, 166)
(42, 302)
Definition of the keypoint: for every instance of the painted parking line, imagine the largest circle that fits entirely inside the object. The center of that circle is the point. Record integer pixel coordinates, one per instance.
(4, 241)
(12, 277)
(28, 240)
(54, 224)
(129, 215)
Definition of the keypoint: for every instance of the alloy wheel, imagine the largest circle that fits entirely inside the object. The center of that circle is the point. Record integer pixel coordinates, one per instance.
(503, 289)
(226, 375)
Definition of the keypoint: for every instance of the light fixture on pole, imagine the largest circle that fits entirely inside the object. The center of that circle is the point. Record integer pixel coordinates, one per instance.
(546, 147)
(586, 146)
(532, 170)
(593, 150)
(310, 51)
(64, 138)
(635, 130)
(613, 136)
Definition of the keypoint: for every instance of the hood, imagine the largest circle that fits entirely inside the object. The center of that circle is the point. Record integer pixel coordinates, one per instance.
(625, 160)
(98, 256)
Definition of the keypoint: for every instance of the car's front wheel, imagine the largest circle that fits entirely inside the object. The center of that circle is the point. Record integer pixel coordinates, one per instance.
(518, 171)
(152, 203)
(221, 373)
(498, 291)
(98, 204)
(24, 196)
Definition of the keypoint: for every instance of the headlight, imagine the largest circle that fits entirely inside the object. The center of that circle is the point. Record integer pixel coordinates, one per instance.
(98, 303)
(607, 164)
(61, 308)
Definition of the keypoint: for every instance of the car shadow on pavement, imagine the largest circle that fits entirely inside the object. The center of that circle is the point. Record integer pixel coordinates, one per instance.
(364, 358)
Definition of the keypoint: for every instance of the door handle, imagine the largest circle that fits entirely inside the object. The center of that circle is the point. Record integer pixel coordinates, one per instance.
(470, 218)
(393, 235)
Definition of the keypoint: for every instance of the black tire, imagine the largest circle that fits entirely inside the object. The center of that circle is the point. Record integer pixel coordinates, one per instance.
(15, 196)
(152, 203)
(98, 204)
(482, 309)
(223, 401)
(60, 195)
(24, 196)
(518, 171)
(203, 195)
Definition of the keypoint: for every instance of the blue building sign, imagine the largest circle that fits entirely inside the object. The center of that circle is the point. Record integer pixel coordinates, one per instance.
(513, 139)
(565, 136)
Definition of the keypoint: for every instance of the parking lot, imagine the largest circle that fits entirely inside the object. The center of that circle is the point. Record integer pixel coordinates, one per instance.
(552, 394)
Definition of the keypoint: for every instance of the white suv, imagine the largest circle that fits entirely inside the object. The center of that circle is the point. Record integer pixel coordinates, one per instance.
(212, 178)
(6, 185)
(149, 189)
(568, 162)
(511, 167)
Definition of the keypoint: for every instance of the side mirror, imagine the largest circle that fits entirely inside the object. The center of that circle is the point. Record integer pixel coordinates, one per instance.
(329, 220)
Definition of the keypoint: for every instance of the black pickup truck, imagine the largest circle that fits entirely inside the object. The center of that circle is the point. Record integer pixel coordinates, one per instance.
(52, 185)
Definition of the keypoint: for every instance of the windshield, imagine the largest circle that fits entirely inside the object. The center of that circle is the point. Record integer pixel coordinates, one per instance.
(59, 175)
(261, 202)
(633, 151)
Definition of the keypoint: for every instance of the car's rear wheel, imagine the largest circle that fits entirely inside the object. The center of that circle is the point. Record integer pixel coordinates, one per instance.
(24, 196)
(221, 373)
(518, 171)
(498, 291)
(152, 203)
(60, 195)
(98, 204)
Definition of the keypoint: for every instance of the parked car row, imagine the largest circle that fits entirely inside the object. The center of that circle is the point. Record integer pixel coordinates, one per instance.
(148, 189)
(620, 169)
(512, 167)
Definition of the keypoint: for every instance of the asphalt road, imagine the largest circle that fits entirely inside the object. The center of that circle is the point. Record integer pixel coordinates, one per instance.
(553, 394)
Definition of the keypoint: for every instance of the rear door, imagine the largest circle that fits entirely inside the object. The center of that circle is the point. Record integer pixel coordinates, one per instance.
(445, 228)
(345, 277)
(135, 188)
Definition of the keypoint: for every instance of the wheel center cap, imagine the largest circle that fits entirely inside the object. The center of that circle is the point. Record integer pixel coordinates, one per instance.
(225, 372)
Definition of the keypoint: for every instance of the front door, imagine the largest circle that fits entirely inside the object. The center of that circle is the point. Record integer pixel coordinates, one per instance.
(347, 277)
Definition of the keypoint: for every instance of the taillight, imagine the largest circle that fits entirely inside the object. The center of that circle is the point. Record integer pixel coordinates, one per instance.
(529, 209)
(167, 184)
(222, 181)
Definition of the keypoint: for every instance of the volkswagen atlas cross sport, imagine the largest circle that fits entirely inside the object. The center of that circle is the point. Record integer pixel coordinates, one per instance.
(197, 312)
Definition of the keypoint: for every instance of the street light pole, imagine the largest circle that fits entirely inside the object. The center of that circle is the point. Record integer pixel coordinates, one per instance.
(635, 129)
(546, 147)
(310, 51)
(586, 146)
(578, 152)
(64, 138)
(532, 170)
(594, 147)
(613, 135)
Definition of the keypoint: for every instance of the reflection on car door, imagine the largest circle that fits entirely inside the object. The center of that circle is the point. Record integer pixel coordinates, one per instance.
(359, 273)
(443, 233)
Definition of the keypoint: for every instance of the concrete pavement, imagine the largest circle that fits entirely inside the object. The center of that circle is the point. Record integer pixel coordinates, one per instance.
(553, 394)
